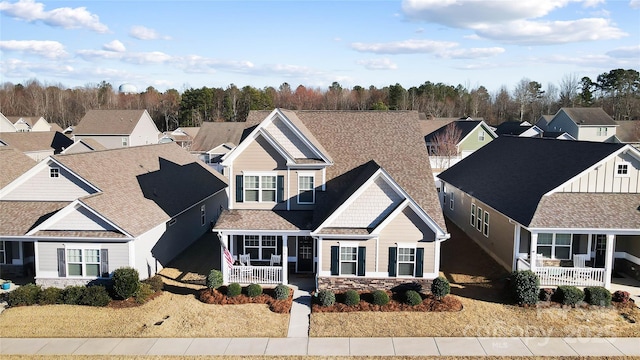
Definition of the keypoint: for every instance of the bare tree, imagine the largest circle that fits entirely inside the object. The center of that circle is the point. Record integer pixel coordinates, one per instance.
(445, 145)
(569, 85)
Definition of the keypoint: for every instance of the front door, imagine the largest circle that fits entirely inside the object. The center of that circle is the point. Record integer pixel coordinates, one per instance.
(601, 251)
(305, 254)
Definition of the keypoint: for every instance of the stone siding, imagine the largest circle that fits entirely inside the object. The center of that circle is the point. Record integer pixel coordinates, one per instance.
(64, 282)
(340, 284)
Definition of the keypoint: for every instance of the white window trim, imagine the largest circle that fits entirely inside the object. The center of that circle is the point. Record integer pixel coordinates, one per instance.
(260, 188)
(479, 218)
(125, 141)
(3, 252)
(553, 246)
(83, 262)
(481, 135)
(347, 245)
(415, 253)
(313, 187)
(473, 215)
(486, 219)
(602, 131)
(172, 222)
(53, 170)
(619, 163)
(260, 246)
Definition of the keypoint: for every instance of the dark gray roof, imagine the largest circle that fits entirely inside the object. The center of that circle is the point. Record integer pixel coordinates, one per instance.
(589, 116)
(512, 128)
(511, 174)
(465, 126)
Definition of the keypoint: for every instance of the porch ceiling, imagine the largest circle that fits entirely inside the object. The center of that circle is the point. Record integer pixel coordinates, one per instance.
(588, 211)
(264, 220)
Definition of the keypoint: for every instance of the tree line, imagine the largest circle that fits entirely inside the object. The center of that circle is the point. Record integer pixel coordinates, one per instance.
(616, 91)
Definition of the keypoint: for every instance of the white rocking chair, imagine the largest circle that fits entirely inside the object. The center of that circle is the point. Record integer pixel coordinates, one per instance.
(245, 259)
(275, 259)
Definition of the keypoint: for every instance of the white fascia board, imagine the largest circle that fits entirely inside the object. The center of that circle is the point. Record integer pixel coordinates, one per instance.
(625, 149)
(276, 146)
(439, 233)
(262, 232)
(233, 154)
(482, 124)
(343, 236)
(41, 238)
(609, 231)
(62, 213)
(301, 136)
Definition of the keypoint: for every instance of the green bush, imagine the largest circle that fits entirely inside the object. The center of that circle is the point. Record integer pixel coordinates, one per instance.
(569, 295)
(156, 283)
(282, 292)
(326, 297)
(440, 287)
(351, 297)
(215, 279)
(413, 298)
(50, 296)
(254, 290)
(96, 295)
(71, 295)
(524, 287)
(234, 289)
(126, 282)
(144, 293)
(597, 295)
(24, 295)
(380, 297)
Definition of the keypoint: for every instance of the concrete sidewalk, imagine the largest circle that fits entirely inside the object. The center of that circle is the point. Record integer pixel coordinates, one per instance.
(469, 346)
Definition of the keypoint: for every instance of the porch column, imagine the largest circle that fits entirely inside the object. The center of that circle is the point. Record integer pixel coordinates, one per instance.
(285, 259)
(608, 260)
(533, 251)
(224, 241)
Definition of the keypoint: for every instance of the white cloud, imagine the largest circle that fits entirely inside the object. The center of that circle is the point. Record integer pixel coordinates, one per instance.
(65, 17)
(627, 52)
(198, 64)
(404, 47)
(472, 53)
(91, 55)
(16, 68)
(378, 64)
(144, 33)
(154, 57)
(115, 45)
(634, 4)
(48, 49)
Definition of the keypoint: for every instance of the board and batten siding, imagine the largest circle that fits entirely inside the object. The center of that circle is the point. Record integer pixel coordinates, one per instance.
(604, 179)
(42, 187)
(48, 255)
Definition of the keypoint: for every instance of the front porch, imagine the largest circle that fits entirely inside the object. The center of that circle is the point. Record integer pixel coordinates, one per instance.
(565, 275)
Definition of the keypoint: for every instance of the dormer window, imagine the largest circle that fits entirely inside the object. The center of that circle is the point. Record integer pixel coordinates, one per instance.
(622, 169)
(54, 172)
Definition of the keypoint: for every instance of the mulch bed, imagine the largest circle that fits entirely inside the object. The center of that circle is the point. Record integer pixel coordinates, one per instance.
(131, 302)
(429, 303)
(219, 297)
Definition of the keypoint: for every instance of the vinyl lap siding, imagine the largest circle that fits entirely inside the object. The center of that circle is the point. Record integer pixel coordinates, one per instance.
(42, 187)
(81, 219)
(108, 141)
(48, 258)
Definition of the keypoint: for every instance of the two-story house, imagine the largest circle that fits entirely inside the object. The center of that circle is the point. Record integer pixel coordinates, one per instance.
(117, 128)
(347, 195)
(587, 124)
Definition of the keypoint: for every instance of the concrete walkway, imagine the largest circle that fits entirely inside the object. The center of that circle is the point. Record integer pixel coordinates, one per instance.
(301, 307)
(450, 346)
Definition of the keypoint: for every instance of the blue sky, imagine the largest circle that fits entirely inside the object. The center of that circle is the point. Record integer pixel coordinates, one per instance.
(183, 44)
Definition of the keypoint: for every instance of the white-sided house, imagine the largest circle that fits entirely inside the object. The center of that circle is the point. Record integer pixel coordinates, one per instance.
(81, 216)
(6, 125)
(216, 139)
(117, 128)
(32, 123)
(328, 192)
(587, 124)
(570, 213)
(37, 145)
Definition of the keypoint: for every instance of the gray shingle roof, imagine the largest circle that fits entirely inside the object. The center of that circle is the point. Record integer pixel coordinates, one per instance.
(628, 131)
(13, 163)
(264, 220)
(108, 122)
(36, 141)
(589, 116)
(18, 217)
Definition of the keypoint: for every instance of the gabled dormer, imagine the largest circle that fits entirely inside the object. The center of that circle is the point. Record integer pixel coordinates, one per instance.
(279, 165)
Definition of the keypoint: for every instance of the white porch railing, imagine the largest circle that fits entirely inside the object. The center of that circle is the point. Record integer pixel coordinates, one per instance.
(256, 274)
(576, 276)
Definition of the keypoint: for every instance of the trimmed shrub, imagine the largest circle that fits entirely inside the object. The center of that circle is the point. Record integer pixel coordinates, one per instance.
(621, 296)
(50, 296)
(569, 295)
(380, 297)
(440, 287)
(351, 297)
(96, 295)
(597, 295)
(234, 289)
(144, 293)
(413, 298)
(215, 279)
(254, 290)
(71, 295)
(524, 287)
(282, 292)
(326, 297)
(126, 282)
(155, 282)
(546, 294)
(24, 295)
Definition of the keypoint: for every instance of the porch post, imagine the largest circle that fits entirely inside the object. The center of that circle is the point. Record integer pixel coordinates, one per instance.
(318, 244)
(285, 259)
(608, 260)
(533, 251)
(224, 239)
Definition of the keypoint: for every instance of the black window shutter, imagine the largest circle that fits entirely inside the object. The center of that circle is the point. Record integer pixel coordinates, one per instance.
(335, 252)
(392, 260)
(62, 264)
(419, 262)
(239, 188)
(240, 243)
(104, 262)
(279, 246)
(280, 193)
(362, 257)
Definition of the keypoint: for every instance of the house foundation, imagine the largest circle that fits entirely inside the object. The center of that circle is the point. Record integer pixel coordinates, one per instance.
(340, 284)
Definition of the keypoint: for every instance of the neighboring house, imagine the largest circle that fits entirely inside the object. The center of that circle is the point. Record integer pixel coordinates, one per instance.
(81, 216)
(37, 145)
(6, 125)
(33, 123)
(517, 128)
(544, 121)
(587, 124)
(332, 193)
(117, 128)
(628, 132)
(565, 215)
(216, 139)
(560, 135)
(83, 145)
(182, 136)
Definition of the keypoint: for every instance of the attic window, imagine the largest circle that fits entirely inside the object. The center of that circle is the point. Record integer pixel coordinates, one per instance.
(622, 169)
(54, 172)
(602, 131)
(481, 135)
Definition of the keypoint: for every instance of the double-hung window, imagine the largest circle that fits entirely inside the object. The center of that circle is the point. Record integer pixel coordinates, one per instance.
(83, 262)
(3, 256)
(555, 246)
(485, 225)
(260, 247)
(125, 141)
(260, 188)
(348, 260)
(406, 261)
(479, 219)
(473, 215)
(306, 189)
(602, 131)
